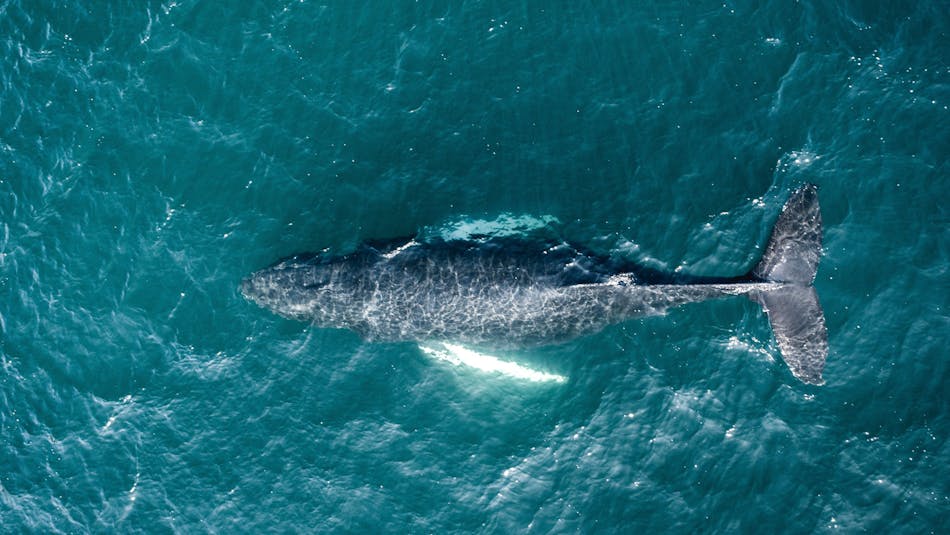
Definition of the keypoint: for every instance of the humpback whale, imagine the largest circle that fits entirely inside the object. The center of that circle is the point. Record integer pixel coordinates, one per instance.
(512, 292)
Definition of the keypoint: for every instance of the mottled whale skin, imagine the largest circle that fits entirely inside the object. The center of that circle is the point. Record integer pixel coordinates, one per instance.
(510, 292)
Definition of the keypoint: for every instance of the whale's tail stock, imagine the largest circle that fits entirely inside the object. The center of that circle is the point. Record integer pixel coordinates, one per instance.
(791, 258)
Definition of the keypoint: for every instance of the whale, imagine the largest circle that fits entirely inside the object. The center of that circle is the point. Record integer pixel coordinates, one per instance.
(514, 292)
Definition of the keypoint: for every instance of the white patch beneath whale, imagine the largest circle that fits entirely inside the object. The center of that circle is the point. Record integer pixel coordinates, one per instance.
(503, 225)
(462, 356)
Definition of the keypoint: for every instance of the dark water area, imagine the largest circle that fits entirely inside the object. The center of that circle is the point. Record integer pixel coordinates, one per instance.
(154, 154)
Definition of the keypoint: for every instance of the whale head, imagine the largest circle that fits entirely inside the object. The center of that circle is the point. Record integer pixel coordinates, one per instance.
(303, 287)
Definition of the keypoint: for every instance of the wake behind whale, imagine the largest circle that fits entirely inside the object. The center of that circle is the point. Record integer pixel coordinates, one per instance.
(509, 292)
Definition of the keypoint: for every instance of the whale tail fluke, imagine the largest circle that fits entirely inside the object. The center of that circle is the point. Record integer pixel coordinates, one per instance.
(791, 257)
(799, 326)
(794, 248)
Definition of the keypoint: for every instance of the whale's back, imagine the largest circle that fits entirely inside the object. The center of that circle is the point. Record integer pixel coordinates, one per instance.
(489, 262)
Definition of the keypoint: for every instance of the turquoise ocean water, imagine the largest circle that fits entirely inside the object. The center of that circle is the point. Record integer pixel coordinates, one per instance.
(153, 154)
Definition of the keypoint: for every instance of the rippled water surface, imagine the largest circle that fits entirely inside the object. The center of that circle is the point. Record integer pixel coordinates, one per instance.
(154, 154)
